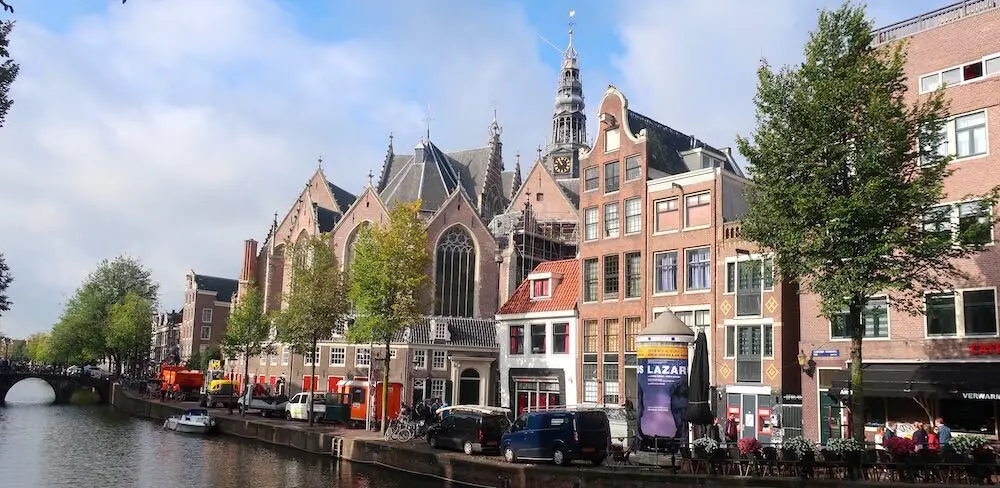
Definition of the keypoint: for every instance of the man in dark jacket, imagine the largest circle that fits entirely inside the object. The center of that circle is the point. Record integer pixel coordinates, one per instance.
(732, 428)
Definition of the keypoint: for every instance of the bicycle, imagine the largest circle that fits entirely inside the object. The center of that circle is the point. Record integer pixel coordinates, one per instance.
(398, 430)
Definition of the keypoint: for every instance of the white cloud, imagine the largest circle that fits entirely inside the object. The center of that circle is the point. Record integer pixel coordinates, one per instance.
(173, 130)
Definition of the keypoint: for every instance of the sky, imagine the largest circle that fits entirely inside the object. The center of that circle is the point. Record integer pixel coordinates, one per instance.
(172, 130)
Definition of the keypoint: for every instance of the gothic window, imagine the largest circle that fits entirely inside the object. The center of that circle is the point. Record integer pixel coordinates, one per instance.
(455, 274)
(352, 240)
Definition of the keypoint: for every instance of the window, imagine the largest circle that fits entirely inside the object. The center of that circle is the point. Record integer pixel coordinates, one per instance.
(362, 356)
(338, 356)
(697, 210)
(979, 313)
(273, 358)
(611, 268)
(420, 358)
(590, 224)
(590, 179)
(611, 384)
(610, 335)
(590, 336)
(517, 339)
(730, 341)
(263, 360)
(875, 318)
(308, 358)
(696, 319)
(455, 274)
(633, 215)
(611, 223)
(540, 288)
(538, 338)
(633, 275)
(731, 277)
(590, 383)
(440, 331)
(632, 327)
(967, 222)
(611, 181)
(970, 135)
(749, 287)
(206, 315)
(206, 332)
(986, 66)
(699, 269)
(437, 388)
(612, 140)
(560, 338)
(667, 216)
(438, 359)
(590, 280)
(632, 169)
(666, 272)
(285, 356)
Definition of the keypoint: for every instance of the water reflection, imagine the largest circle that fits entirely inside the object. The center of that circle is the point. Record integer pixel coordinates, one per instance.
(43, 446)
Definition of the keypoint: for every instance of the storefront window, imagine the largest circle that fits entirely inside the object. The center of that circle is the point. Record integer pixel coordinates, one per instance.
(976, 416)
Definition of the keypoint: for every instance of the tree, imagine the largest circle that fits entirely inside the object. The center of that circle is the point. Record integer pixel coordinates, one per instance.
(248, 331)
(317, 305)
(37, 348)
(130, 324)
(388, 281)
(19, 353)
(5, 277)
(194, 361)
(841, 186)
(8, 70)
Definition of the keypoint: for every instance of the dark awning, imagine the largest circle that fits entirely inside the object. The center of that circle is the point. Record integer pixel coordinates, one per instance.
(972, 381)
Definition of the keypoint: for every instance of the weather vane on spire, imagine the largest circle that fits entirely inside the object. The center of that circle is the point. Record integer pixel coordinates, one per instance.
(427, 121)
(370, 176)
(319, 162)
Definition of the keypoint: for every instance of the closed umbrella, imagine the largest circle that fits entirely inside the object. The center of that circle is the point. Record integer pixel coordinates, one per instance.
(699, 410)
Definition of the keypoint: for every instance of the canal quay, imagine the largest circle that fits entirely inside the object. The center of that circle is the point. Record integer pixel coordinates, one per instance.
(357, 446)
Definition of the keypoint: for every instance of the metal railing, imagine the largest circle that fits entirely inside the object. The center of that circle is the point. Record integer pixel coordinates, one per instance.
(930, 20)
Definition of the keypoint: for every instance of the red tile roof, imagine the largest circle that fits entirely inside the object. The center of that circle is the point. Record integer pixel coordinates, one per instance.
(564, 296)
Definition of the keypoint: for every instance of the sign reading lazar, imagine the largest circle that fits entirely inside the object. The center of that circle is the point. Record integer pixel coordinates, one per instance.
(663, 383)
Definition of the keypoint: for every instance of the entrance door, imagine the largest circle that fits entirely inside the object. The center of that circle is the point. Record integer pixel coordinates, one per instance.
(748, 407)
(829, 418)
(468, 387)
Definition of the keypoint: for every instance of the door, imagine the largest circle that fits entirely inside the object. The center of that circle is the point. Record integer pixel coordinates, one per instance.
(468, 387)
(829, 418)
(748, 408)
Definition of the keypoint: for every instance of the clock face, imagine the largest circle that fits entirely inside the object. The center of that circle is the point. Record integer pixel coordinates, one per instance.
(561, 165)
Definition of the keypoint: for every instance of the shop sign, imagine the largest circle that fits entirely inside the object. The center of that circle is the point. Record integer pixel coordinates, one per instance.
(984, 349)
(981, 396)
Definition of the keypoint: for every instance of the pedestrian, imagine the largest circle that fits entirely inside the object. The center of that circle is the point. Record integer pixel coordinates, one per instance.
(933, 444)
(732, 428)
(944, 432)
(919, 436)
(632, 428)
(715, 431)
(889, 432)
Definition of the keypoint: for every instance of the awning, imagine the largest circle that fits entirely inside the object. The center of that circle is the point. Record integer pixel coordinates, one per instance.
(971, 381)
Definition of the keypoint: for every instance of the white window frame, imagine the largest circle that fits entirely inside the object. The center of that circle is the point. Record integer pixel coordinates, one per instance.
(656, 273)
(340, 352)
(437, 388)
(548, 288)
(273, 359)
(634, 157)
(206, 315)
(420, 357)
(363, 357)
(263, 359)
(960, 314)
(612, 140)
(286, 355)
(656, 215)
(440, 331)
(443, 356)
(591, 223)
(728, 336)
(637, 216)
(607, 231)
(203, 335)
(955, 219)
(687, 269)
(940, 73)
(596, 187)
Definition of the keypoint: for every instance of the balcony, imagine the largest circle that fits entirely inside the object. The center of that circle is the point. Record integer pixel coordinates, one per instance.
(731, 231)
(930, 20)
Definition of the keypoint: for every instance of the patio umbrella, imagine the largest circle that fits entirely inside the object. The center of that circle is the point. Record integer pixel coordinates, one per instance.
(699, 410)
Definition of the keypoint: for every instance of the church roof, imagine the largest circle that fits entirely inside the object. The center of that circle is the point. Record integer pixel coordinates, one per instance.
(342, 197)
(571, 188)
(326, 218)
(432, 175)
(675, 142)
(507, 178)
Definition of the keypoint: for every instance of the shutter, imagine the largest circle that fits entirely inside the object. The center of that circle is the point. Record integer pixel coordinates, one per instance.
(447, 392)
(306, 383)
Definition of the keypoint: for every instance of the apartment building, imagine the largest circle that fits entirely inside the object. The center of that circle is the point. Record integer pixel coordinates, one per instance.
(944, 361)
(207, 303)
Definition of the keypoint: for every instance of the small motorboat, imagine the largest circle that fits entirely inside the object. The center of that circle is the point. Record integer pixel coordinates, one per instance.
(193, 421)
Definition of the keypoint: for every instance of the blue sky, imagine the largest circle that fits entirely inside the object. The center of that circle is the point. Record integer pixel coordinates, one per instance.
(173, 130)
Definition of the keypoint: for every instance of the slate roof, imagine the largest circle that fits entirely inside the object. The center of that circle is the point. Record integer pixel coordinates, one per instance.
(571, 188)
(326, 218)
(507, 182)
(342, 197)
(224, 288)
(432, 175)
(673, 142)
(465, 332)
(564, 296)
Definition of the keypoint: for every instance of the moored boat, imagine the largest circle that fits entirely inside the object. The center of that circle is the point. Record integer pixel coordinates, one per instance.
(193, 421)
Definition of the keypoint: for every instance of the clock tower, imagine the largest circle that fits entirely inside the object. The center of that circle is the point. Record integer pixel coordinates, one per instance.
(569, 124)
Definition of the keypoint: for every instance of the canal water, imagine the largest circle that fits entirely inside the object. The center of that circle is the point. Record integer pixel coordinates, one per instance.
(93, 446)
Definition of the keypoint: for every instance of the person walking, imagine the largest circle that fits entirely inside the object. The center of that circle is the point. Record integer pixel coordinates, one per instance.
(920, 436)
(715, 431)
(631, 428)
(732, 428)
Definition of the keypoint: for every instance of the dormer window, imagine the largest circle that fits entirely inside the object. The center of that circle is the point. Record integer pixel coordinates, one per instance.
(439, 331)
(540, 288)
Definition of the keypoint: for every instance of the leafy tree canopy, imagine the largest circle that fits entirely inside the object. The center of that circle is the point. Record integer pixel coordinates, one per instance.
(5, 277)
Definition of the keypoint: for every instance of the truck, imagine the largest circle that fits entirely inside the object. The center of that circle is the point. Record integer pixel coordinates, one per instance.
(298, 406)
(180, 383)
(259, 398)
(217, 389)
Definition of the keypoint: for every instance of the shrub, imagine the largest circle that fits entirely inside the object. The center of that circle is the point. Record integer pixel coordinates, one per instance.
(706, 443)
(844, 446)
(900, 446)
(966, 444)
(748, 445)
(799, 445)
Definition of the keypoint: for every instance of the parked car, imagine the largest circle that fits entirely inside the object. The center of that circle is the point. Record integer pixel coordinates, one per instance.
(469, 428)
(96, 372)
(73, 370)
(561, 436)
(298, 407)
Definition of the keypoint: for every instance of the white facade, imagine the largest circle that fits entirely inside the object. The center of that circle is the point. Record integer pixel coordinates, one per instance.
(554, 363)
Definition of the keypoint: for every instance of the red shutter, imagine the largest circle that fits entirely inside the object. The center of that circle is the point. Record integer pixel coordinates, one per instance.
(306, 383)
(274, 380)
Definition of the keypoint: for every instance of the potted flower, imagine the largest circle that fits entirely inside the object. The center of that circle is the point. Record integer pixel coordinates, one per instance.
(704, 447)
(793, 449)
(748, 446)
(902, 450)
(849, 450)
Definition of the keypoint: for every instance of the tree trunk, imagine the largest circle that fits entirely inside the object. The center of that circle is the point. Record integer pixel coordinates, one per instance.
(385, 387)
(857, 398)
(312, 382)
(246, 378)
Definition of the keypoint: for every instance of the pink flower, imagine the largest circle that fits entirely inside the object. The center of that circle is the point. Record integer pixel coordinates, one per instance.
(748, 445)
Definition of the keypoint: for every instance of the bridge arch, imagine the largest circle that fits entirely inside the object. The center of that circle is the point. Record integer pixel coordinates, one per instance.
(63, 385)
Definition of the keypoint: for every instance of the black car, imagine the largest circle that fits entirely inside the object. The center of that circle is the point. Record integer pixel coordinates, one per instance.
(470, 429)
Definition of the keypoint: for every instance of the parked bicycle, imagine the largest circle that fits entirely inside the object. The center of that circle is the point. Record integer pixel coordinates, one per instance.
(399, 430)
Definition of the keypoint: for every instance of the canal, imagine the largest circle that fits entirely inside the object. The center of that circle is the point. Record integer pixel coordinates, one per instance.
(91, 446)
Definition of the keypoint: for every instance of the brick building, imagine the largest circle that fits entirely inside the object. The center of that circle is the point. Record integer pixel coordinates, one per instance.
(207, 302)
(943, 362)
(165, 335)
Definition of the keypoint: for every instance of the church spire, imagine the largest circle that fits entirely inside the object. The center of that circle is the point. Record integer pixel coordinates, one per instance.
(569, 123)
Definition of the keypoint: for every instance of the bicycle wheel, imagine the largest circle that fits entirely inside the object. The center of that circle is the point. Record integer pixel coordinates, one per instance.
(405, 434)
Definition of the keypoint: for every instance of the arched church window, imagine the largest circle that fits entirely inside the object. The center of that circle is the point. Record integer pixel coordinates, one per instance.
(352, 240)
(455, 274)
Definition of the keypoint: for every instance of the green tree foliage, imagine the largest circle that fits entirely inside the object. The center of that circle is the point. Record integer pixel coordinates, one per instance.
(8, 70)
(37, 350)
(5, 277)
(317, 305)
(841, 186)
(19, 351)
(81, 335)
(248, 331)
(194, 361)
(130, 325)
(388, 281)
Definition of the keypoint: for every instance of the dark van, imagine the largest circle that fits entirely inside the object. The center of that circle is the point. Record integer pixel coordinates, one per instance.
(469, 430)
(558, 435)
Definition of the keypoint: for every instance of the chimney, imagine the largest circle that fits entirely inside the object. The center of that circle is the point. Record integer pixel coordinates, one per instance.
(249, 260)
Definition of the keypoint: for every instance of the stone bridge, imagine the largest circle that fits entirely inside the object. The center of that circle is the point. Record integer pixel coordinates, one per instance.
(63, 385)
